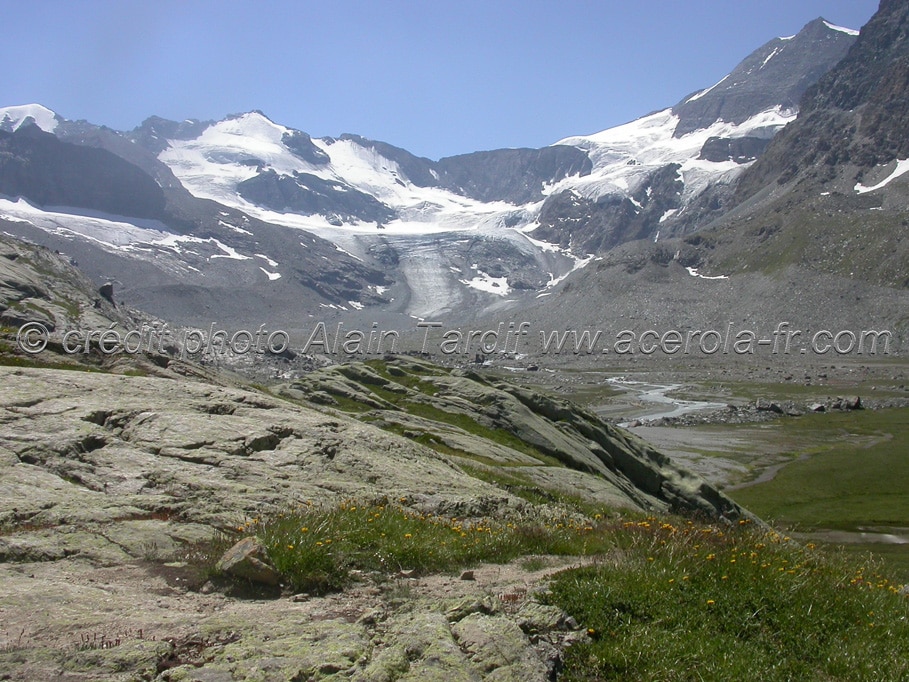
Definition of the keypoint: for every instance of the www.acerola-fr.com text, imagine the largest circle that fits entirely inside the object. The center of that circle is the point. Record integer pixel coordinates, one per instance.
(782, 340)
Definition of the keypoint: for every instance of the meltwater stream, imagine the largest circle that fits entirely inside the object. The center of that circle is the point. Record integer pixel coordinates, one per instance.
(656, 394)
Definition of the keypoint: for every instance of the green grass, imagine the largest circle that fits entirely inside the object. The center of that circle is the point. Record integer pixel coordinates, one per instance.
(316, 548)
(690, 602)
(513, 482)
(664, 599)
(408, 378)
(349, 405)
(856, 476)
(466, 423)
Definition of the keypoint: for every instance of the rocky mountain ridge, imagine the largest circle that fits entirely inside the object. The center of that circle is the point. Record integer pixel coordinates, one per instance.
(827, 195)
(335, 225)
(776, 74)
(671, 172)
(853, 119)
(813, 232)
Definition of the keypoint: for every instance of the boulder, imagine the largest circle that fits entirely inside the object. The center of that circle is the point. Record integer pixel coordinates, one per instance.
(107, 292)
(248, 559)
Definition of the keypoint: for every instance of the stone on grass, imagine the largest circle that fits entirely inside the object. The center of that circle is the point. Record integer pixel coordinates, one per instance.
(248, 559)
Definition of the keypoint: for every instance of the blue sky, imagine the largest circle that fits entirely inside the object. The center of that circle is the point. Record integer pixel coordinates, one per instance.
(435, 77)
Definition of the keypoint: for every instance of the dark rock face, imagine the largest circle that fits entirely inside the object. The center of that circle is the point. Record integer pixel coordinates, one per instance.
(36, 165)
(738, 149)
(155, 131)
(342, 282)
(513, 175)
(857, 114)
(594, 226)
(586, 225)
(776, 74)
(501, 258)
(107, 292)
(44, 169)
(308, 194)
(301, 144)
(881, 49)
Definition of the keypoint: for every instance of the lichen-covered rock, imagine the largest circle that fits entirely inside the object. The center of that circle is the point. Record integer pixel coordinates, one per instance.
(497, 647)
(86, 448)
(248, 560)
(468, 606)
(548, 442)
(428, 646)
(535, 618)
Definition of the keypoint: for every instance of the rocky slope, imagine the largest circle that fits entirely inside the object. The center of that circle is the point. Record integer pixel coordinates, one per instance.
(40, 286)
(828, 196)
(111, 483)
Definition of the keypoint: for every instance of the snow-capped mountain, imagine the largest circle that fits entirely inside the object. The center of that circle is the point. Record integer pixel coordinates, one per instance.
(255, 165)
(206, 206)
(13, 118)
(586, 193)
(282, 175)
(671, 171)
(814, 232)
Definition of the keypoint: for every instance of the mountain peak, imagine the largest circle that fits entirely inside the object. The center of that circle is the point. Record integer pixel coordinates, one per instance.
(13, 118)
(822, 26)
(842, 29)
(855, 116)
(776, 75)
(252, 115)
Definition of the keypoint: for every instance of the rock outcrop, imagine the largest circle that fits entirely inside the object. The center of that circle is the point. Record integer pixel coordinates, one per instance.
(537, 442)
(85, 448)
(108, 483)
